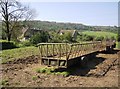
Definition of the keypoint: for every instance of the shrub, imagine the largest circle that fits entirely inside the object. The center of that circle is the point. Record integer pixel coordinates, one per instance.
(87, 37)
(79, 38)
(4, 82)
(65, 74)
(34, 77)
(41, 70)
(55, 38)
(118, 45)
(39, 37)
(24, 43)
(52, 71)
(68, 37)
(113, 38)
(7, 44)
(100, 38)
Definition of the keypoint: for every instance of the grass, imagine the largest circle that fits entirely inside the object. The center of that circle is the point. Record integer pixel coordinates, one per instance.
(13, 54)
(34, 77)
(4, 82)
(100, 33)
(42, 70)
(118, 45)
(52, 71)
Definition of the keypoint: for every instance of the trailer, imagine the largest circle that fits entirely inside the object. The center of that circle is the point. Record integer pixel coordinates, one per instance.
(63, 55)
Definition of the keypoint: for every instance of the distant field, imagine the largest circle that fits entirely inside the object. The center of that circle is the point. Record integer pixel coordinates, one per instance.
(100, 33)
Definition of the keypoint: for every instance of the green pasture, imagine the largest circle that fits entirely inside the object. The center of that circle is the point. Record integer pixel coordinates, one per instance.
(118, 45)
(16, 53)
(12, 54)
(100, 33)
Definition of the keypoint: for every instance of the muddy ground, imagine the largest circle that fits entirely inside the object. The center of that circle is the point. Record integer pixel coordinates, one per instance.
(100, 71)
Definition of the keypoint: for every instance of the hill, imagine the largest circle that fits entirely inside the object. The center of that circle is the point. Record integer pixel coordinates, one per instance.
(46, 25)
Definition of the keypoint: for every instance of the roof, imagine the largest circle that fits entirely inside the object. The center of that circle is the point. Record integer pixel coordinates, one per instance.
(64, 31)
(72, 32)
(29, 32)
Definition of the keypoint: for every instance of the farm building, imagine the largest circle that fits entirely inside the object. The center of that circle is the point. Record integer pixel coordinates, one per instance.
(27, 33)
(72, 32)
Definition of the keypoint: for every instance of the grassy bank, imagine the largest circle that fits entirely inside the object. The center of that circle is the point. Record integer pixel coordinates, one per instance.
(11, 54)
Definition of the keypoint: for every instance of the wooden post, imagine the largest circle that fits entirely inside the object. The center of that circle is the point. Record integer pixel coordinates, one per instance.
(59, 54)
(79, 49)
(47, 51)
(53, 50)
(66, 54)
(41, 54)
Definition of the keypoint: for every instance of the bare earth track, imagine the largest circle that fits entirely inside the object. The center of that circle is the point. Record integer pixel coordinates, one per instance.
(100, 71)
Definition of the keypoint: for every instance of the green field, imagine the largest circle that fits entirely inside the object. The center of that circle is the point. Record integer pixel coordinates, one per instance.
(118, 45)
(16, 53)
(100, 33)
(12, 54)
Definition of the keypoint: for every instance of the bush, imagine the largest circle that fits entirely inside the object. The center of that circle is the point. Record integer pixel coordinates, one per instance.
(79, 38)
(7, 45)
(24, 43)
(42, 70)
(113, 38)
(4, 82)
(100, 38)
(56, 38)
(34, 77)
(67, 37)
(39, 37)
(52, 71)
(87, 38)
(118, 37)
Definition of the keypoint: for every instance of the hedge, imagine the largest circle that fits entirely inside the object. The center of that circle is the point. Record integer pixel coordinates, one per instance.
(7, 45)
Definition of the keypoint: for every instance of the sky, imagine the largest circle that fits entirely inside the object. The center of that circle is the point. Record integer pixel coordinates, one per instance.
(88, 13)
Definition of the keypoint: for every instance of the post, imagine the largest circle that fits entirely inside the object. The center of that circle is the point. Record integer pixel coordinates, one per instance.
(60, 51)
(59, 54)
(47, 51)
(66, 51)
(53, 50)
(41, 53)
(66, 55)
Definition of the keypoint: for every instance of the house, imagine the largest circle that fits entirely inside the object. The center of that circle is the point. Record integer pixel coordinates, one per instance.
(73, 33)
(27, 33)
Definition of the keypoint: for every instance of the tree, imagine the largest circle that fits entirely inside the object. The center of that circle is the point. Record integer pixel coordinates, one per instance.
(12, 12)
(99, 38)
(87, 37)
(39, 37)
(68, 37)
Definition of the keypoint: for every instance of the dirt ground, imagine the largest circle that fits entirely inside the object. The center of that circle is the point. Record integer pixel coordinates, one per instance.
(100, 71)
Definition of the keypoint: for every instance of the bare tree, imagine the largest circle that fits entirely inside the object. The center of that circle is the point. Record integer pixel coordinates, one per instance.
(12, 13)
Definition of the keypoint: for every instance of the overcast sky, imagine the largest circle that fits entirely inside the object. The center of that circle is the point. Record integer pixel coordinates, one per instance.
(88, 13)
